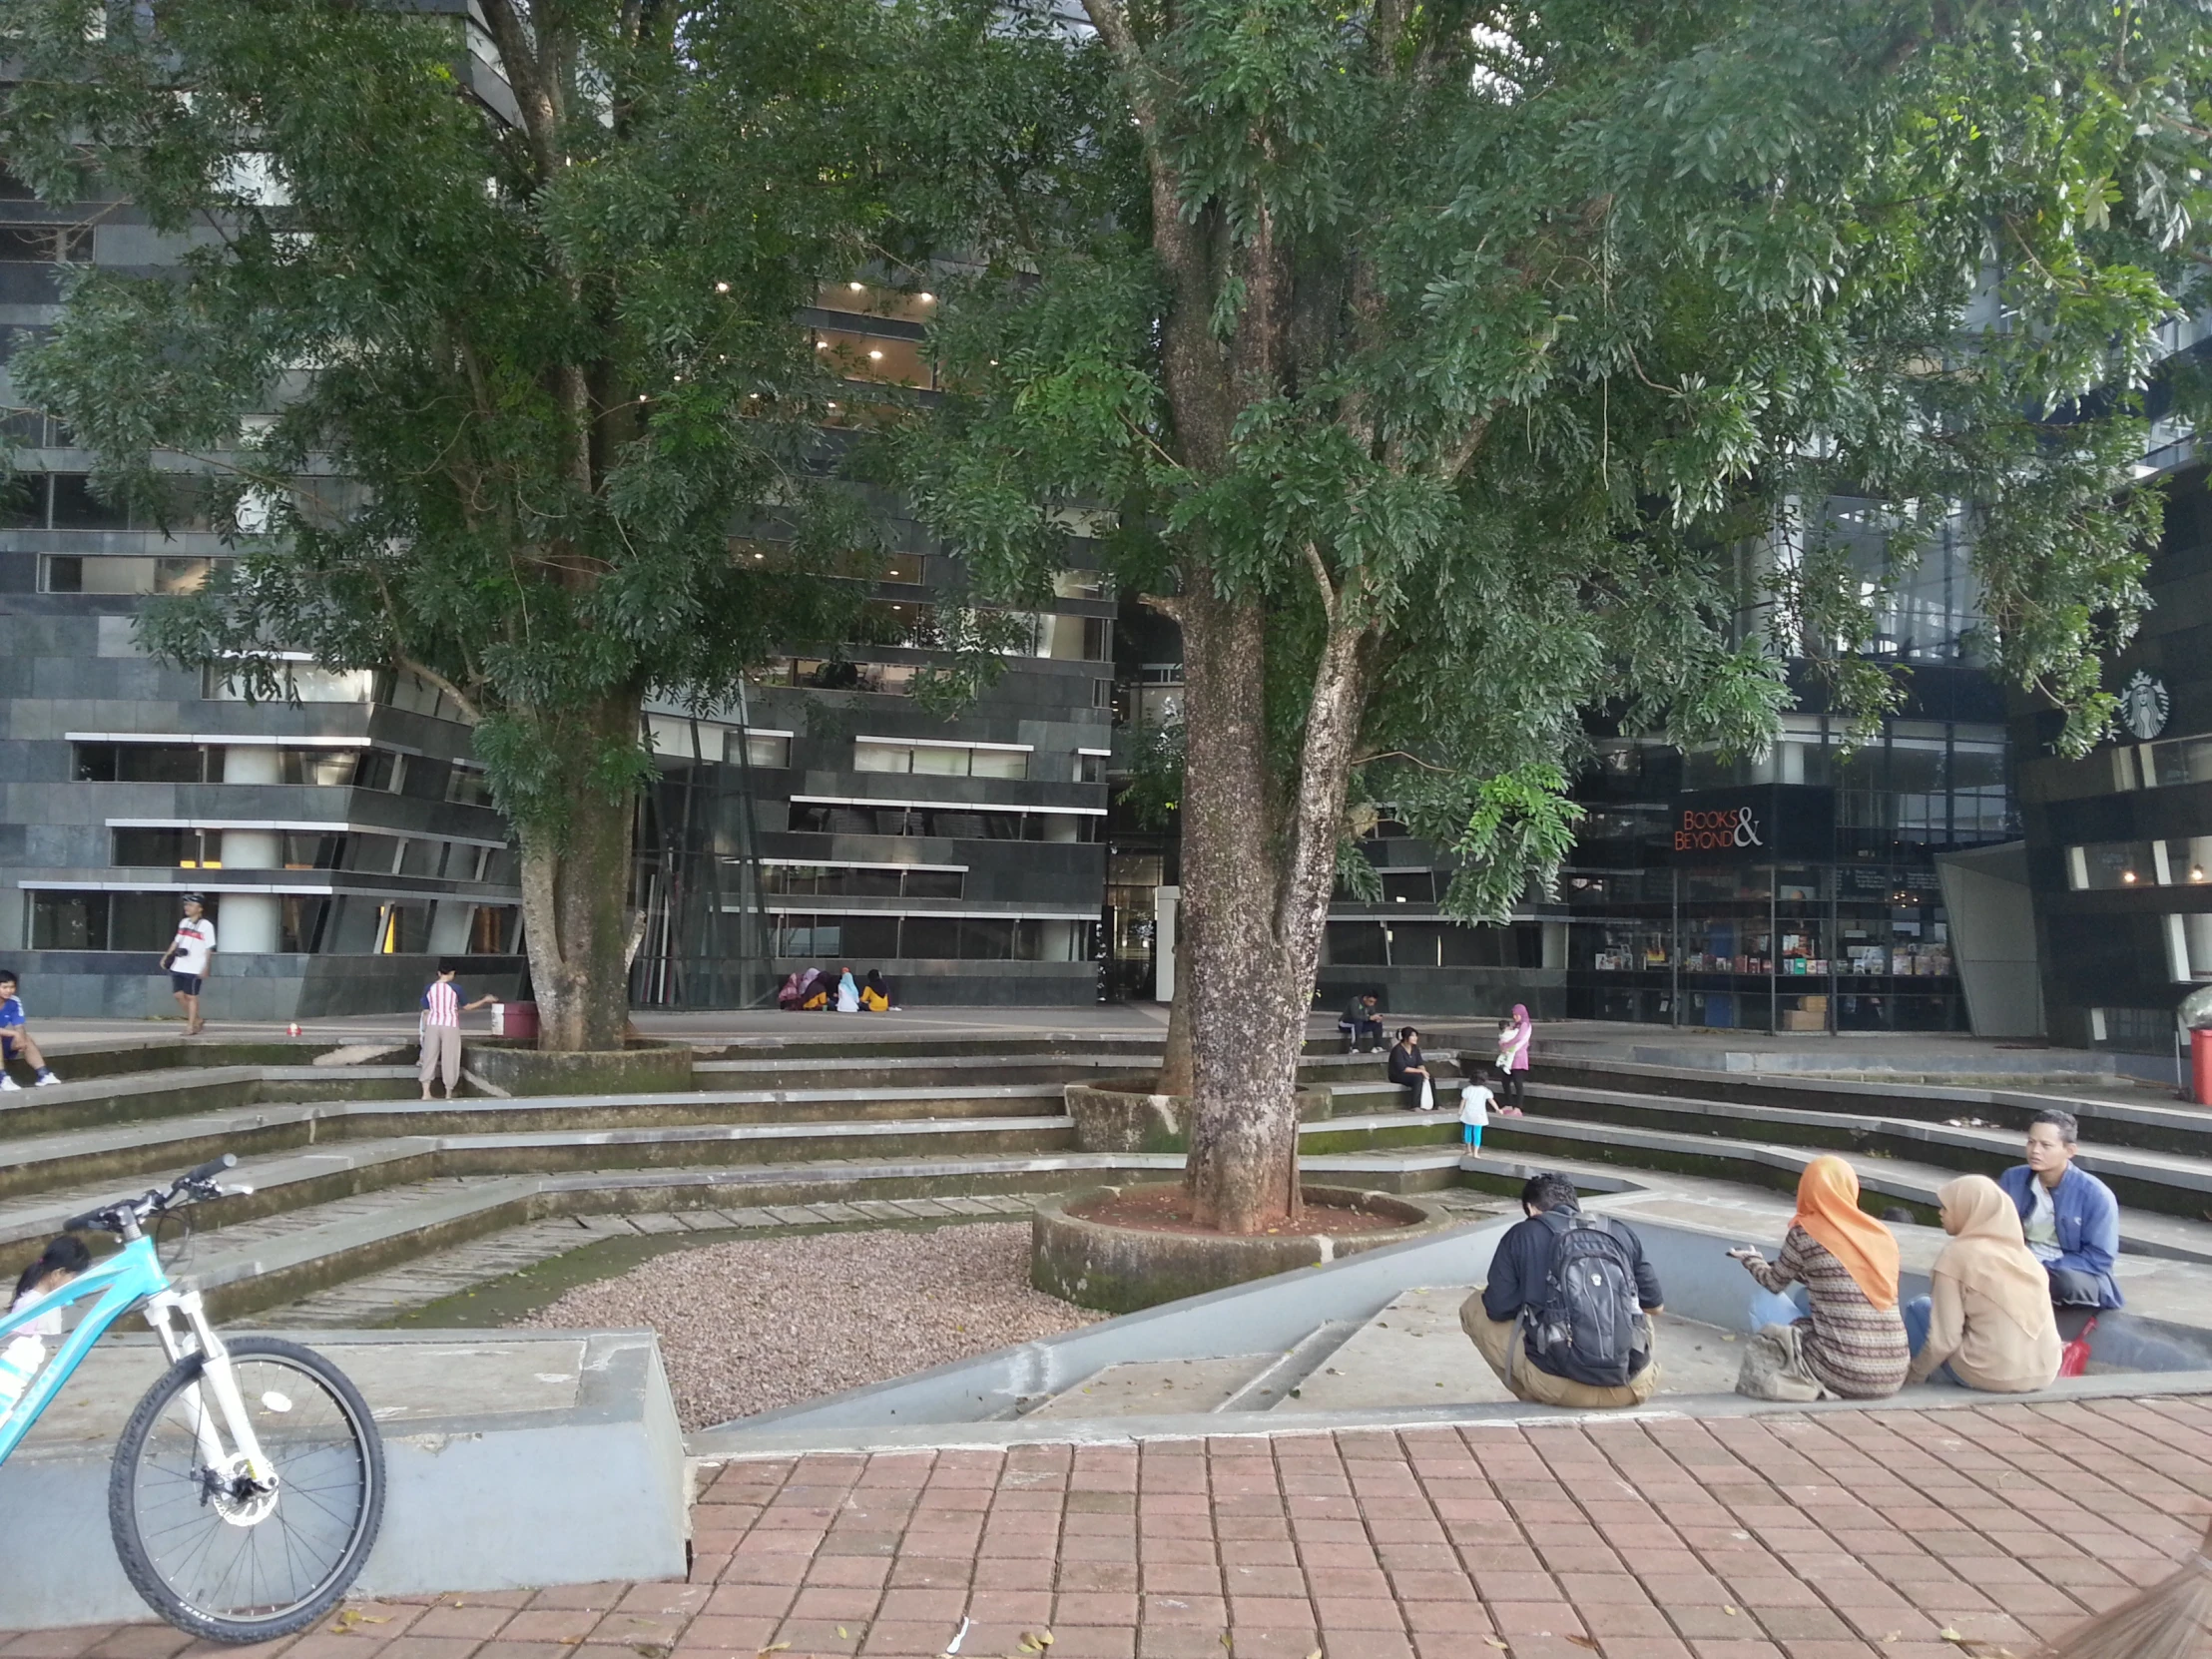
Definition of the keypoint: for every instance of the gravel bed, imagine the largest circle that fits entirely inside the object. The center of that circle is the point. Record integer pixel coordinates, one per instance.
(759, 1323)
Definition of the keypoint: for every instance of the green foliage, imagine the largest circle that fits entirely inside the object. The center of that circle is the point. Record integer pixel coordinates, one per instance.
(479, 373)
(1154, 787)
(1542, 329)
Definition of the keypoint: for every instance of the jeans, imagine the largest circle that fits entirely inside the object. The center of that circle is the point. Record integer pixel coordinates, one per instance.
(1778, 1306)
(1919, 1313)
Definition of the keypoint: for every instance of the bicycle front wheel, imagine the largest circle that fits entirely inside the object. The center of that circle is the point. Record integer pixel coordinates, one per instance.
(238, 1554)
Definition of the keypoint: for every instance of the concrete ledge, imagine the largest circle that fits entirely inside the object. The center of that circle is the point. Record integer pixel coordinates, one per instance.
(1123, 1269)
(640, 1068)
(1119, 1114)
(513, 1461)
(732, 1444)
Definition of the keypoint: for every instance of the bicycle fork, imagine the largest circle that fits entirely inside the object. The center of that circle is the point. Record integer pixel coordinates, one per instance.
(239, 1483)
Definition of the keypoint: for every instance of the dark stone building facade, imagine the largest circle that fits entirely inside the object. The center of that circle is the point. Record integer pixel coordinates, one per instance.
(2119, 843)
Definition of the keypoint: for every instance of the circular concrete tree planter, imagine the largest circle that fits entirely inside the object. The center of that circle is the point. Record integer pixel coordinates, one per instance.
(1117, 1114)
(1122, 1269)
(520, 1069)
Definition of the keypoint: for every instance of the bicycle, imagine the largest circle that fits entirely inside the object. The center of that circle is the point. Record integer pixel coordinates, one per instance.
(249, 1484)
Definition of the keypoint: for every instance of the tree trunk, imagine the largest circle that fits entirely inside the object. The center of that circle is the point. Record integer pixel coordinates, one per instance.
(576, 913)
(1245, 1031)
(1175, 1053)
(1254, 904)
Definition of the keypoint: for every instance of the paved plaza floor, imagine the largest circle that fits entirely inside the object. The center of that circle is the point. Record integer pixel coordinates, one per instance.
(1835, 1534)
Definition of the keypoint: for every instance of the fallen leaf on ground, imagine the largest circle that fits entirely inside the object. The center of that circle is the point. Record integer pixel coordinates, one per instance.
(1730, 1611)
(1493, 1641)
(1581, 1641)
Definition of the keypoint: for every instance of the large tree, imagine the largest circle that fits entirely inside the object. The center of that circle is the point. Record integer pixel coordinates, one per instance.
(479, 344)
(1444, 362)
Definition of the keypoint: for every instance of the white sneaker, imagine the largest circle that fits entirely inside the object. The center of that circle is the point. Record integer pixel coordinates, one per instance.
(45, 1080)
(8, 1083)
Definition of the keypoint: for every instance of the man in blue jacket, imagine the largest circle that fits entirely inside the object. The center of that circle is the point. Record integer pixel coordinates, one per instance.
(2071, 1218)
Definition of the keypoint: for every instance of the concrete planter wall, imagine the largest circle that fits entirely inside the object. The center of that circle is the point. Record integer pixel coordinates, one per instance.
(642, 1068)
(1116, 1114)
(1123, 1269)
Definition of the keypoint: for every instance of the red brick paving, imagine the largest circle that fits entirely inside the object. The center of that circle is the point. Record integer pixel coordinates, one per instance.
(1850, 1536)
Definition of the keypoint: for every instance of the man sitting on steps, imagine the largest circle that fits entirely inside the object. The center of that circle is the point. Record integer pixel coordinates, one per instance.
(2071, 1218)
(1566, 1317)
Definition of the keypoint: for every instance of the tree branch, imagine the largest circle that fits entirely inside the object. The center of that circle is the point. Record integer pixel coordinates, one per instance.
(1327, 588)
(525, 76)
(469, 705)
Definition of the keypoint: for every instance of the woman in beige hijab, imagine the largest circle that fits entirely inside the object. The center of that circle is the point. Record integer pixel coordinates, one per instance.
(1987, 1323)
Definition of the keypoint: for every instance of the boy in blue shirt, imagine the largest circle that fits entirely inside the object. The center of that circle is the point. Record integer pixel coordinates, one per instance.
(15, 1037)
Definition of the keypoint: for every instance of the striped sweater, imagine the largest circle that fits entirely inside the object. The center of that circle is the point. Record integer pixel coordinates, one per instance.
(1855, 1349)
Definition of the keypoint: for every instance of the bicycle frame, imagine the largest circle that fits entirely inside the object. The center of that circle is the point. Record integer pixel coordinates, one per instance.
(131, 1276)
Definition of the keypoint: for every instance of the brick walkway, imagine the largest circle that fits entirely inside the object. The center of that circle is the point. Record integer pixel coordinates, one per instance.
(1852, 1535)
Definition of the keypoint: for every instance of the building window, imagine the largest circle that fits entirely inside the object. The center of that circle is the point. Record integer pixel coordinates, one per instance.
(72, 573)
(467, 785)
(108, 920)
(2100, 867)
(944, 760)
(772, 749)
(147, 763)
(299, 682)
(871, 939)
(1090, 766)
(844, 880)
(860, 818)
(410, 690)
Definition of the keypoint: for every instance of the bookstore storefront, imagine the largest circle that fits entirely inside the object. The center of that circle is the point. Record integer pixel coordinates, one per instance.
(1762, 917)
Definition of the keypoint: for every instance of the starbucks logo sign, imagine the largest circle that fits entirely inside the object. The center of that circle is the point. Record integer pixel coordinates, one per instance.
(2144, 705)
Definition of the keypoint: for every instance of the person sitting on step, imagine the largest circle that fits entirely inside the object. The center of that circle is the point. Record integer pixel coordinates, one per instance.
(1847, 1340)
(1566, 1319)
(1409, 1071)
(1361, 1026)
(2071, 1219)
(1986, 1321)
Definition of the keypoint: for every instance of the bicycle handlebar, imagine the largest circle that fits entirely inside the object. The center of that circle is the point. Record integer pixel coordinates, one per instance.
(191, 1187)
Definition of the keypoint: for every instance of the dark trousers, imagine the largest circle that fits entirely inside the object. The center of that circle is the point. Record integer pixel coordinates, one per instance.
(1357, 1032)
(1512, 1087)
(2071, 1287)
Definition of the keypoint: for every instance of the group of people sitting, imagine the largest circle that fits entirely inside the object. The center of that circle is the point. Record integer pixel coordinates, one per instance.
(1566, 1319)
(816, 990)
(1486, 1088)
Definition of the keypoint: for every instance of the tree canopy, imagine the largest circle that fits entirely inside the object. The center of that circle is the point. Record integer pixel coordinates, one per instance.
(1451, 358)
(480, 344)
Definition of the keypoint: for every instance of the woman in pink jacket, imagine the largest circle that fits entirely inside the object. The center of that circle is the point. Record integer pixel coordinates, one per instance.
(1514, 1038)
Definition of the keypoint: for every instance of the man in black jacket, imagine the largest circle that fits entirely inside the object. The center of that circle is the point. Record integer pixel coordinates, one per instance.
(1520, 1283)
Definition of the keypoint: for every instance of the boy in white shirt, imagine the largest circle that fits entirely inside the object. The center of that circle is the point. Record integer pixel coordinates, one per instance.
(1474, 1107)
(15, 1037)
(186, 960)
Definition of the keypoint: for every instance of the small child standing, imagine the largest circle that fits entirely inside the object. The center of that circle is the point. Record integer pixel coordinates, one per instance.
(443, 1009)
(63, 1260)
(15, 1037)
(1474, 1107)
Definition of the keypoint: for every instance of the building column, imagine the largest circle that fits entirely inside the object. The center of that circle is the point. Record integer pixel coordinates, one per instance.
(449, 924)
(250, 922)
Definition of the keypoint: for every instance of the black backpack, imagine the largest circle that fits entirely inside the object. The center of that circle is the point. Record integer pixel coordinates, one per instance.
(1590, 1326)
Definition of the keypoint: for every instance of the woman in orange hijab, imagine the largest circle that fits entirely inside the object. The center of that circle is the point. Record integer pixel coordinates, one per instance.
(1852, 1342)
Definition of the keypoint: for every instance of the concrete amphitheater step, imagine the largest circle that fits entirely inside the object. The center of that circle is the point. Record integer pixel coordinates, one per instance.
(286, 1181)
(2114, 1111)
(148, 1147)
(1668, 1134)
(138, 1096)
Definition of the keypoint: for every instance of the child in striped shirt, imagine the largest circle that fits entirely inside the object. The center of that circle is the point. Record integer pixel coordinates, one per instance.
(443, 1009)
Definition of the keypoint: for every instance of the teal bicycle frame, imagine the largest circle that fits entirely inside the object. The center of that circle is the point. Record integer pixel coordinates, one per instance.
(131, 1275)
